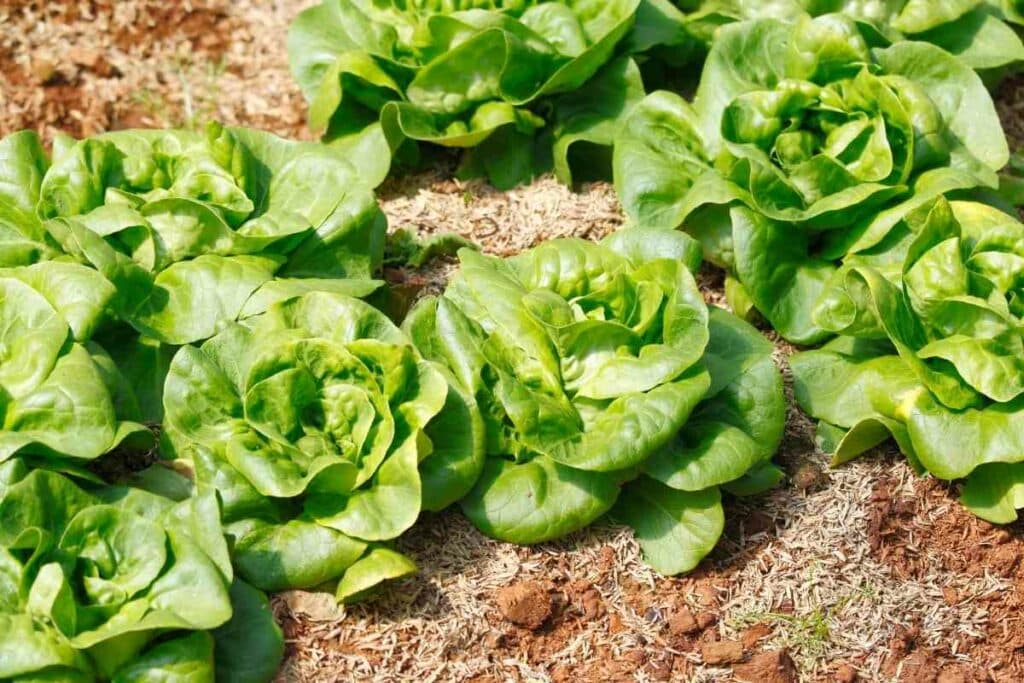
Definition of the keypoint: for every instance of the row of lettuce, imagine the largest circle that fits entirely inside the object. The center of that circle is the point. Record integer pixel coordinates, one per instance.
(839, 159)
(525, 86)
(207, 298)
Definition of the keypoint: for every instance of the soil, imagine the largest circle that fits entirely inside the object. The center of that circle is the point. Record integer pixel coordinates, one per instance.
(930, 534)
(774, 666)
(86, 66)
(527, 604)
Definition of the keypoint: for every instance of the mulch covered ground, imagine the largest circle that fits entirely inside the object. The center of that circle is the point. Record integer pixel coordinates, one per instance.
(865, 571)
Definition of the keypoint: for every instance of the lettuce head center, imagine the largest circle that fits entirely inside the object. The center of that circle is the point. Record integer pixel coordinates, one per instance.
(348, 416)
(116, 554)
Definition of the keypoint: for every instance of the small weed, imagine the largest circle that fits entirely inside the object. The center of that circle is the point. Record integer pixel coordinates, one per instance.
(152, 103)
(199, 99)
(808, 633)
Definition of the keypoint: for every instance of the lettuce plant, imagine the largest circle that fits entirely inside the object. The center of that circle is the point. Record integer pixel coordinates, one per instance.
(931, 353)
(606, 385)
(805, 146)
(976, 31)
(198, 228)
(517, 83)
(120, 584)
(324, 433)
(63, 402)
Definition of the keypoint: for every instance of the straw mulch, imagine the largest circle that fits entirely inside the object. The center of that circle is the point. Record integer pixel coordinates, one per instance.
(865, 570)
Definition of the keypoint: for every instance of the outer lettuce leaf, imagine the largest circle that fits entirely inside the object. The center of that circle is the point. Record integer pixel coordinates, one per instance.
(805, 148)
(365, 575)
(483, 75)
(595, 363)
(23, 240)
(250, 646)
(62, 400)
(317, 424)
(995, 492)
(675, 529)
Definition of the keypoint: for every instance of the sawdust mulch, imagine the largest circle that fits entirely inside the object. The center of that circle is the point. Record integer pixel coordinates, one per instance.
(865, 570)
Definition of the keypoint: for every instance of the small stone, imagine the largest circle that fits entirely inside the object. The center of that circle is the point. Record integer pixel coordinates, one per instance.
(313, 605)
(527, 604)
(1001, 536)
(722, 652)
(591, 603)
(774, 666)
(84, 56)
(950, 595)
(615, 624)
(845, 674)
(683, 623)
(44, 70)
(706, 620)
(807, 476)
(707, 595)
(755, 634)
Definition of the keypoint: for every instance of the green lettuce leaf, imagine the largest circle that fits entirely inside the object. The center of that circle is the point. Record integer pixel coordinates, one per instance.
(932, 353)
(62, 400)
(976, 31)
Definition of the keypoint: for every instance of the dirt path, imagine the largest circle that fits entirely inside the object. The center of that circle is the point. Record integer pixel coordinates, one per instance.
(866, 570)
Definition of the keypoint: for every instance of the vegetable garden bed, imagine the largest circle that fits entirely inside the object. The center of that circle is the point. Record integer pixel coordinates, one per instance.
(866, 568)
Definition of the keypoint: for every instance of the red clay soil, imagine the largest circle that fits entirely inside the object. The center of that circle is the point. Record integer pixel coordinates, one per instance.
(914, 543)
(47, 81)
(687, 633)
(531, 620)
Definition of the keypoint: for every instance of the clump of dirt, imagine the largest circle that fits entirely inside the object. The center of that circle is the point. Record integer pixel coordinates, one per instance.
(931, 534)
(773, 666)
(527, 604)
(719, 652)
(577, 608)
(809, 477)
